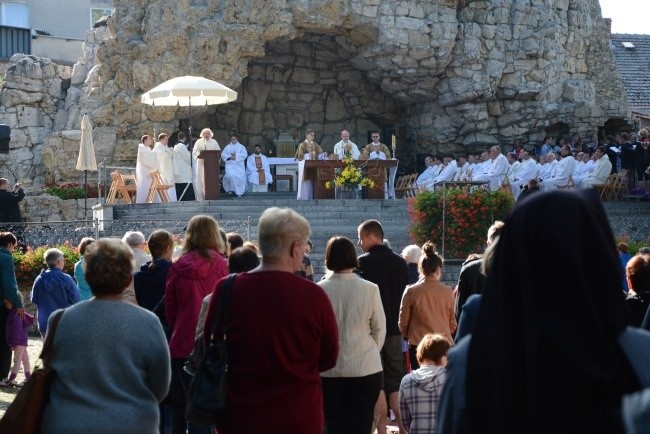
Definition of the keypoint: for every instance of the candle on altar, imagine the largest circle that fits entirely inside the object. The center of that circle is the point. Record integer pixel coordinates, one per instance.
(394, 139)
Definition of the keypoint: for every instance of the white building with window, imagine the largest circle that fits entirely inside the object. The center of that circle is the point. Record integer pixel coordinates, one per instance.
(58, 27)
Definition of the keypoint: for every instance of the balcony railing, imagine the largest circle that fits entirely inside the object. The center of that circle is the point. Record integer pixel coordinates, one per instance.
(14, 40)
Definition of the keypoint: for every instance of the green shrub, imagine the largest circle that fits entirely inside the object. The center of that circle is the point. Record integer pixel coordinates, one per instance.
(468, 215)
(72, 190)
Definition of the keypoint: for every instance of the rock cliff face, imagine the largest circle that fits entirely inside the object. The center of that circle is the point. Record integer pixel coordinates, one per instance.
(444, 74)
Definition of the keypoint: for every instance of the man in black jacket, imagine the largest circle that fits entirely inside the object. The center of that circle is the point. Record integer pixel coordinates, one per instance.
(388, 270)
(9, 209)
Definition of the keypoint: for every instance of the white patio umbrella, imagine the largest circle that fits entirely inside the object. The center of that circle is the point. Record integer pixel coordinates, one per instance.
(86, 159)
(188, 91)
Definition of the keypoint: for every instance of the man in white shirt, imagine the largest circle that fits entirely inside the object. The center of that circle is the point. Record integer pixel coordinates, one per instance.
(602, 170)
(259, 171)
(495, 171)
(527, 171)
(234, 155)
(146, 162)
(547, 166)
(346, 146)
(561, 172)
(166, 161)
(183, 170)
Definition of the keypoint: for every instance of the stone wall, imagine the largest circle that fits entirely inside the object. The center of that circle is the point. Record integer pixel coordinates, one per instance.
(444, 74)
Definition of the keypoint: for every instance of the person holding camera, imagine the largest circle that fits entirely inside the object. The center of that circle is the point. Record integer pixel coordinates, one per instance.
(9, 209)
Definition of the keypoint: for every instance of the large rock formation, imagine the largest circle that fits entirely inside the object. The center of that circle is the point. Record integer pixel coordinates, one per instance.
(441, 73)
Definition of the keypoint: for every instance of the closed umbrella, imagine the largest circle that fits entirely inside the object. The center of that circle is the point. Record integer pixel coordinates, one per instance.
(86, 160)
(188, 91)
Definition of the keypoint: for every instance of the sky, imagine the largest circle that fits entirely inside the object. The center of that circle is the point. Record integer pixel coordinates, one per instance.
(628, 16)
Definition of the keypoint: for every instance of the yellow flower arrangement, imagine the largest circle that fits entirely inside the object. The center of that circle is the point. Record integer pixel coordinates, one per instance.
(350, 176)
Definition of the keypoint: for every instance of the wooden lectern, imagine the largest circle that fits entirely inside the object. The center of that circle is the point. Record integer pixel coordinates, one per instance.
(211, 161)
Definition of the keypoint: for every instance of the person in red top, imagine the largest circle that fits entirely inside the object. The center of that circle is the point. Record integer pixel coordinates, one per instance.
(189, 280)
(281, 334)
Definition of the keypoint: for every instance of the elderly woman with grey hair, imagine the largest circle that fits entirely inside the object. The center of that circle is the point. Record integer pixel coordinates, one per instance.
(53, 289)
(111, 358)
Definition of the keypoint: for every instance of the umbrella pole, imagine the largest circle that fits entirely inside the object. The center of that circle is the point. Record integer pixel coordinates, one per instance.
(85, 194)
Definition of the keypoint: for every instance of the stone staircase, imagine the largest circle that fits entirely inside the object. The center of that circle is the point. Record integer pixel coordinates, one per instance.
(336, 217)
(326, 217)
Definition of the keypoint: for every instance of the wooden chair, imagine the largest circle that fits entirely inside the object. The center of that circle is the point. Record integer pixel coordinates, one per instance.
(122, 186)
(570, 185)
(605, 189)
(405, 186)
(158, 187)
(619, 187)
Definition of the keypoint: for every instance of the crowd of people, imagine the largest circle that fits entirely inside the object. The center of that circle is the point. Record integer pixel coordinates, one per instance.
(553, 164)
(379, 341)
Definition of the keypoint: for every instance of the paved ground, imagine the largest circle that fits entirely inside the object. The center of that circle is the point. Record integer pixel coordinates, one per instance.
(7, 394)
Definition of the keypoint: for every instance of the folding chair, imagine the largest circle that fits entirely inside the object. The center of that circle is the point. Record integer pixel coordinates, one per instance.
(122, 185)
(158, 187)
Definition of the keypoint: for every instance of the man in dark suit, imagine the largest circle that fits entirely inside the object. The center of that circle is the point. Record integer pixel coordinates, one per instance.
(9, 209)
(389, 271)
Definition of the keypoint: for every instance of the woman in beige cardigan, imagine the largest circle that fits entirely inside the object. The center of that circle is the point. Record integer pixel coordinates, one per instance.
(351, 388)
(428, 305)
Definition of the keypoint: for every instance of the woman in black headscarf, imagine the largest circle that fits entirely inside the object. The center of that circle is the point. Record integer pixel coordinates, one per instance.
(544, 354)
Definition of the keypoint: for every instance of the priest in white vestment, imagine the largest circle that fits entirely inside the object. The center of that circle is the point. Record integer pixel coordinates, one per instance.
(527, 170)
(234, 155)
(183, 170)
(166, 161)
(346, 146)
(145, 163)
(561, 172)
(205, 143)
(259, 171)
(495, 170)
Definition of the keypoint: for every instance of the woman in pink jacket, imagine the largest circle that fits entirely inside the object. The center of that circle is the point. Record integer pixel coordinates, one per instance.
(190, 279)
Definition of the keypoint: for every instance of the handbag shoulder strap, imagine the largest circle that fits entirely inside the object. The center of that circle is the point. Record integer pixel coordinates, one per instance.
(221, 318)
(46, 353)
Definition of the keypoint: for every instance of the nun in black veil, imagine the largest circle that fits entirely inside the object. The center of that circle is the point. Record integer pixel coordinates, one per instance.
(551, 351)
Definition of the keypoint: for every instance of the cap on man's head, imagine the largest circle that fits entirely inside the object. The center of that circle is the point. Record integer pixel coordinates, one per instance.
(133, 238)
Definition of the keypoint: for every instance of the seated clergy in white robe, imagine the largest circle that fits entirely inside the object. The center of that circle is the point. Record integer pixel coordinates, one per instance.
(495, 171)
(145, 163)
(165, 156)
(602, 169)
(234, 180)
(259, 171)
(561, 172)
(527, 171)
(446, 174)
(428, 173)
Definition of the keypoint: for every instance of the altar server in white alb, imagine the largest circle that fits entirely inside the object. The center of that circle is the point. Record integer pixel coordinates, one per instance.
(205, 143)
(494, 170)
(165, 156)
(259, 171)
(234, 180)
(145, 163)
